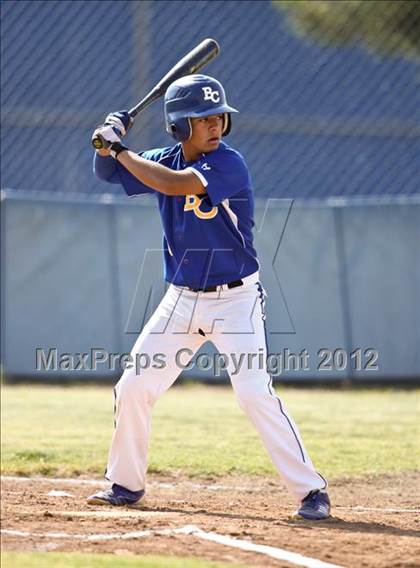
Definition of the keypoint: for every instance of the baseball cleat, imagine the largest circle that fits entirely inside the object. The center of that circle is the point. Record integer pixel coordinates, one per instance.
(315, 507)
(115, 496)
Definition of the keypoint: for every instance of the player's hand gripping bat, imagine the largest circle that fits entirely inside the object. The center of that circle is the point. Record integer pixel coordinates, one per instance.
(191, 63)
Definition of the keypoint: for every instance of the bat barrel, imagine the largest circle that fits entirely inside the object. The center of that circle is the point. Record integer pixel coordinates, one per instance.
(197, 58)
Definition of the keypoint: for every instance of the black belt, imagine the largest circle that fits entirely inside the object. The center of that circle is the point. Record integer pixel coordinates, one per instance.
(233, 284)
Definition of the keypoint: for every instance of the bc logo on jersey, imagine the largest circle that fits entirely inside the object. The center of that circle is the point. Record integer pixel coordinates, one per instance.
(210, 95)
(193, 202)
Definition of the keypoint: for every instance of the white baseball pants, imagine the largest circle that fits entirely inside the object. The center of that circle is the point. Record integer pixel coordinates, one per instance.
(233, 319)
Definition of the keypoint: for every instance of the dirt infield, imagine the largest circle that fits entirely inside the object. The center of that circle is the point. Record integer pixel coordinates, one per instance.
(376, 521)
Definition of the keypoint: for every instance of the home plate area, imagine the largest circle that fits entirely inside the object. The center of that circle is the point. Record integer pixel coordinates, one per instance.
(247, 520)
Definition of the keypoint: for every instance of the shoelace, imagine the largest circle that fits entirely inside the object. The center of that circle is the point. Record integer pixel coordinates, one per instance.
(312, 497)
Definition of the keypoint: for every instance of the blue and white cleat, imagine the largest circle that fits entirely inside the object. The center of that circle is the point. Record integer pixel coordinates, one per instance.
(116, 496)
(315, 507)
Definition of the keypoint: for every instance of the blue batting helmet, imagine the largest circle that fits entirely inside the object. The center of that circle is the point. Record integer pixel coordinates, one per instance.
(194, 96)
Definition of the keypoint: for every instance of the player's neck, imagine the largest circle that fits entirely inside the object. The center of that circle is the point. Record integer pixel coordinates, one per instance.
(190, 153)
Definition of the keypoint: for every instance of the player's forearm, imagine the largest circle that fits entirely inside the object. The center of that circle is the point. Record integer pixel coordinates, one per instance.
(160, 177)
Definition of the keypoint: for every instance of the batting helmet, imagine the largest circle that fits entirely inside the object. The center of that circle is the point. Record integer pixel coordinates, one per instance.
(194, 96)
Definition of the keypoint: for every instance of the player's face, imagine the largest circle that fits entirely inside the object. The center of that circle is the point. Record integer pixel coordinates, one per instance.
(205, 137)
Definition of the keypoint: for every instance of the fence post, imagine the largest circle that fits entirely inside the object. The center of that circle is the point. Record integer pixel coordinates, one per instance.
(343, 286)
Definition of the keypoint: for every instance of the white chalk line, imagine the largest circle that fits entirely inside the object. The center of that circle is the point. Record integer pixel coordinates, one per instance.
(64, 480)
(277, 553)
(132, 514)
(198, 486)
(361, 509)
(161, 484)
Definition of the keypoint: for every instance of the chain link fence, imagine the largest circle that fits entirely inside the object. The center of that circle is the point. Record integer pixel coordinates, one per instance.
(329, 100)
(329, 92)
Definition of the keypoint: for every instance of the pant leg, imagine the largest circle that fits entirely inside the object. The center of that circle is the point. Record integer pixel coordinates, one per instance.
(135, 394)
(255, 394)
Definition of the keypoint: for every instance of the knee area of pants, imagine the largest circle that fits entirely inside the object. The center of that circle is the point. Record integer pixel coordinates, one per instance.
(135, 388)
(249, 396)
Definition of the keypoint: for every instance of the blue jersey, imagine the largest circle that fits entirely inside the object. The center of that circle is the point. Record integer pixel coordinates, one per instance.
(207, 238)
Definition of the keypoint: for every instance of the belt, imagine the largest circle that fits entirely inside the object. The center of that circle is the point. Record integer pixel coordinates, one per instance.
(233, 284)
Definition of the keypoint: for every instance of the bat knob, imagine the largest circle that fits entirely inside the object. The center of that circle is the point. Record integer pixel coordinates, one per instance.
(97, 142)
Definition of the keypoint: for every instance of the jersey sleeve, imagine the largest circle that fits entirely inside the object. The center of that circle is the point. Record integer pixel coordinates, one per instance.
(222, 174)
(130, 183)
(110, 170)
(104, 167)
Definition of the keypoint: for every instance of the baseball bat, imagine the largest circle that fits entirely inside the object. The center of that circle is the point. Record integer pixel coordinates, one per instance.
(197, 58)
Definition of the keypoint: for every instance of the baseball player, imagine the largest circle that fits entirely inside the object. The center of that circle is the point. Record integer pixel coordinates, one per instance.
(205, 199)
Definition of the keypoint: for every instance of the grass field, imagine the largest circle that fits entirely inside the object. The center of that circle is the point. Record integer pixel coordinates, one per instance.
(60, 560)
(197, 430)
(65, 431)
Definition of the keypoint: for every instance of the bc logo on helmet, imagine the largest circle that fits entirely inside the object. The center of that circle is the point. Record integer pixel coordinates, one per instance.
(210, 95)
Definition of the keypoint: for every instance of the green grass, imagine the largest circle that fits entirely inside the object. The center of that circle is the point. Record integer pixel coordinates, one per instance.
(200, 430)
(66, 560)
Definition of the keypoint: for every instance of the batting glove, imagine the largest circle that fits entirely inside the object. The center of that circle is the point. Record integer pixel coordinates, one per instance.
(121, 120)
(110, 139)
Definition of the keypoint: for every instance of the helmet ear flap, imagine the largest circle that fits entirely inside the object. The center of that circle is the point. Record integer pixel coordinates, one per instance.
(190, 127)
(171, 129)
(181, 129)
(227, 123)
